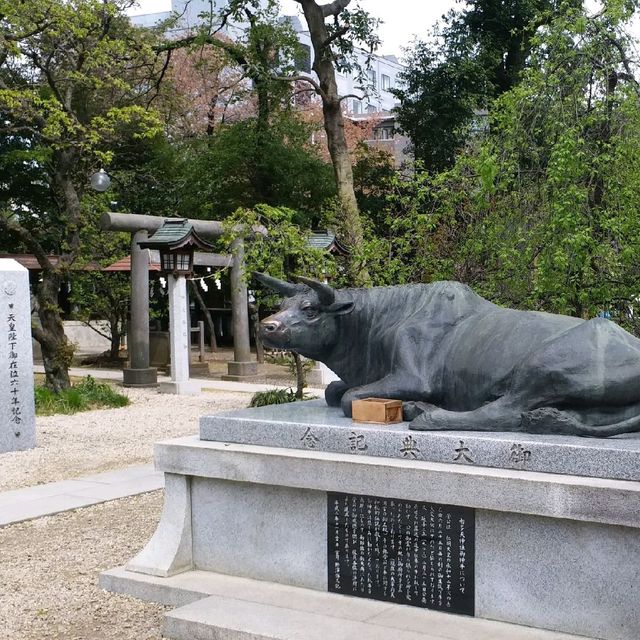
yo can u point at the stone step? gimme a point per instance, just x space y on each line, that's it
223 607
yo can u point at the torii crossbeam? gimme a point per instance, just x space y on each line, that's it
139 373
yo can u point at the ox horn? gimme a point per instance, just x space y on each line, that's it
285 288
326 294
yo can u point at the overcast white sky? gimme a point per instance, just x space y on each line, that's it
402 18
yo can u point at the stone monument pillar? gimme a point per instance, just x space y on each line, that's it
179 337
17 410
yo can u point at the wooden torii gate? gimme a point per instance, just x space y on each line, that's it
139 373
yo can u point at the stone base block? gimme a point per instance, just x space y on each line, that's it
555 552
214 606
240 371
314 425
187 388
140 377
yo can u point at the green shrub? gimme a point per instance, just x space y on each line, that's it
274 396
83 396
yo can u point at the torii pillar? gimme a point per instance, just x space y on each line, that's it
139 373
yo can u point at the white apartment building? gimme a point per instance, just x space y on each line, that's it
374 91
383 71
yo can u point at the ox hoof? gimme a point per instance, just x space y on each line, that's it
549 420
428 420
413 409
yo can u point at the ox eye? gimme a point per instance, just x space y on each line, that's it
309 311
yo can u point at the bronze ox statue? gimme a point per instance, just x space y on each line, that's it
461 362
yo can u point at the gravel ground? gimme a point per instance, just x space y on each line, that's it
96 441
49 574
49 567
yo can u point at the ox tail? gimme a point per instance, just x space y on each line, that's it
551 420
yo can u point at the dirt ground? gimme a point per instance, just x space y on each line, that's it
49 571
49 567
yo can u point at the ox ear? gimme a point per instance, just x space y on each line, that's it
340 308
285 288
326 295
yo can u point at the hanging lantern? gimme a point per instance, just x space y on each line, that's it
100 181
176 240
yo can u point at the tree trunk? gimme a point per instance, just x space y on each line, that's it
261 178
300 377
352 230
114 349
207 315
254 317
57 351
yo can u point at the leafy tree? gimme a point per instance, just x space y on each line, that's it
256 55
542 213
267 55
476 54
284 252
74 77
373 174
98 296
220 173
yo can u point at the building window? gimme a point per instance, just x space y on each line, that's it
356 107
371 108
303 60
372 78
383 133
386 82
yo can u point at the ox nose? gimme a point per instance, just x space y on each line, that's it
269 326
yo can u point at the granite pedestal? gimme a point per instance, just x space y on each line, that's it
555 549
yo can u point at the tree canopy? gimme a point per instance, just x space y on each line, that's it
542 211
75 77
473 55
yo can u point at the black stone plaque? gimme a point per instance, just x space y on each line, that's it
401 551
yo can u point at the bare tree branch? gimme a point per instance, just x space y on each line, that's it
307 79
235 52
335 7
351 95
9 225
338 33
160 78
100 333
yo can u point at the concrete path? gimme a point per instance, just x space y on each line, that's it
47 499
206 383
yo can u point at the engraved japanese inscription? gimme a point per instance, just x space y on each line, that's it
17 412
401 551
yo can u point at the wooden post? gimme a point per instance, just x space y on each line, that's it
201 340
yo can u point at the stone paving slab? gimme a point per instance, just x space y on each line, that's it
19 505
38 492
220 607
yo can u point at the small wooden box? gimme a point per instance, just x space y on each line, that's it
377 410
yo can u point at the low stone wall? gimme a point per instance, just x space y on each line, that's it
86 339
